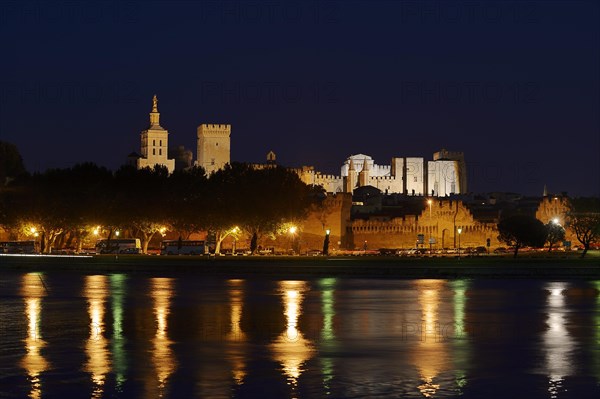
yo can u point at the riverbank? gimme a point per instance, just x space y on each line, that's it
548 266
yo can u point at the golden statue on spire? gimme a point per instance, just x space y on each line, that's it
154 104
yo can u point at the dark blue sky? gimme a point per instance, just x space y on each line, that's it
514 85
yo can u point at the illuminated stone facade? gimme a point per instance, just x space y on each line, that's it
443 176
440 223
213 146
155 143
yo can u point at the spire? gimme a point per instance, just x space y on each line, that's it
351 167
365 165
154 115
545 194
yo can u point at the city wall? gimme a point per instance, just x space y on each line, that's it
440 223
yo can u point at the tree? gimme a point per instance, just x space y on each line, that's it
260 201
11 163
555 233
254 243
38 207
583 218
142 194
186 201
518 231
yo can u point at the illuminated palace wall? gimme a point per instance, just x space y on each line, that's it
441 224
333 216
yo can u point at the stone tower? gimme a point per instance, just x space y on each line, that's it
363 176
155 143
459 157
351 178
213 146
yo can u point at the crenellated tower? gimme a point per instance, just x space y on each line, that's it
213 146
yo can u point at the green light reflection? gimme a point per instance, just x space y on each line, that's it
460 342
327 286
117 289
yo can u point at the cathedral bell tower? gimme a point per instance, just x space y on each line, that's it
155 143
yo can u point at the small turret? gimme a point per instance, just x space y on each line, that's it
351 178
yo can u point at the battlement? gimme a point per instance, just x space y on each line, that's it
385 178
326 177
214 129
445 154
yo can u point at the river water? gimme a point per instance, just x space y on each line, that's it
75 335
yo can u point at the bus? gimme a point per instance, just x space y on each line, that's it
19 247
183 247
119 246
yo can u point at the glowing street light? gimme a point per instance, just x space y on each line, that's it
430 202
292 230
459 230
326 242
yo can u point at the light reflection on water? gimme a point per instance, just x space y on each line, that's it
325 337
431 354
96 347
34 362
163 361
236 337
291 349
558 344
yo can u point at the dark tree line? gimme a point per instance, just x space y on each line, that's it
68 204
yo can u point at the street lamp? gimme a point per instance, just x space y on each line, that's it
429 201
292 230
459 231
326 243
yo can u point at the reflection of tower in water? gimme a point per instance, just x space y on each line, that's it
162 355
33 362
291 349
558 344
430 356
98 363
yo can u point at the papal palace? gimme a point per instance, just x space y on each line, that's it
399 205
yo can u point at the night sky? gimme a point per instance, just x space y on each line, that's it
514 85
